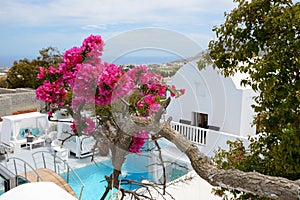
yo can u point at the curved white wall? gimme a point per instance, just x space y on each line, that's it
209 92
196 98
218 99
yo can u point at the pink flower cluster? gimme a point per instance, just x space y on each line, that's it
138 140
174 92
152 90
93 46
83 75
85 86
83 125
52 93
71 58
67 71
43 72
107 83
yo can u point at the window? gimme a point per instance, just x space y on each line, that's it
200 119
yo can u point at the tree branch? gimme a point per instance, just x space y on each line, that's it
251 182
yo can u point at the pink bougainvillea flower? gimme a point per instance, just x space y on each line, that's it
72 57
138 140
90 126
84 77
93 45
51 93
41 74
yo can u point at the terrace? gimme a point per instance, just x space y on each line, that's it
206 139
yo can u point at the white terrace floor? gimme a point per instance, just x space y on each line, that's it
197 188
26 154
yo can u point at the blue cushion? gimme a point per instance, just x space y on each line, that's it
35 131
22 133
12 137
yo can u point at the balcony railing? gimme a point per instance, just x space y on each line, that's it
192 133
207 140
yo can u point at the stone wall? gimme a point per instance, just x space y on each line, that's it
13 101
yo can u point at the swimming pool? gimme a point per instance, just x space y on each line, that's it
135 168
93 178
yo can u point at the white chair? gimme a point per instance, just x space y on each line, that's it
62 153
54 144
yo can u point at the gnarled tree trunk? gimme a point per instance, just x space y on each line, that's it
251 182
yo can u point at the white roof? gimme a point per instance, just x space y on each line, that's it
236 78
24 116
13 124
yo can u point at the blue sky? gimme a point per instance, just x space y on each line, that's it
30 25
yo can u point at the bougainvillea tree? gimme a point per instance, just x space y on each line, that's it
82 82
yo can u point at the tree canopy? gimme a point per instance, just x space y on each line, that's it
262 39
23 72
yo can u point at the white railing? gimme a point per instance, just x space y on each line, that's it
192 133
20 167
207 140
45 159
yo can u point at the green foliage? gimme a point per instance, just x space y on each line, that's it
165 72
204 60
3 83
23 72
261 38
104 112
135 97
237 157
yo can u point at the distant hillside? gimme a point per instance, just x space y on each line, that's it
186 60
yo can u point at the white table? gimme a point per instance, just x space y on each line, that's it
36 141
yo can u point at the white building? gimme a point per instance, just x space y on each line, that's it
212 101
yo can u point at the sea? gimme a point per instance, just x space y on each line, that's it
7 61
144 59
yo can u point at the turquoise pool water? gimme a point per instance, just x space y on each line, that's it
94 180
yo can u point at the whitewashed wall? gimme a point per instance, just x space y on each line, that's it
207 91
